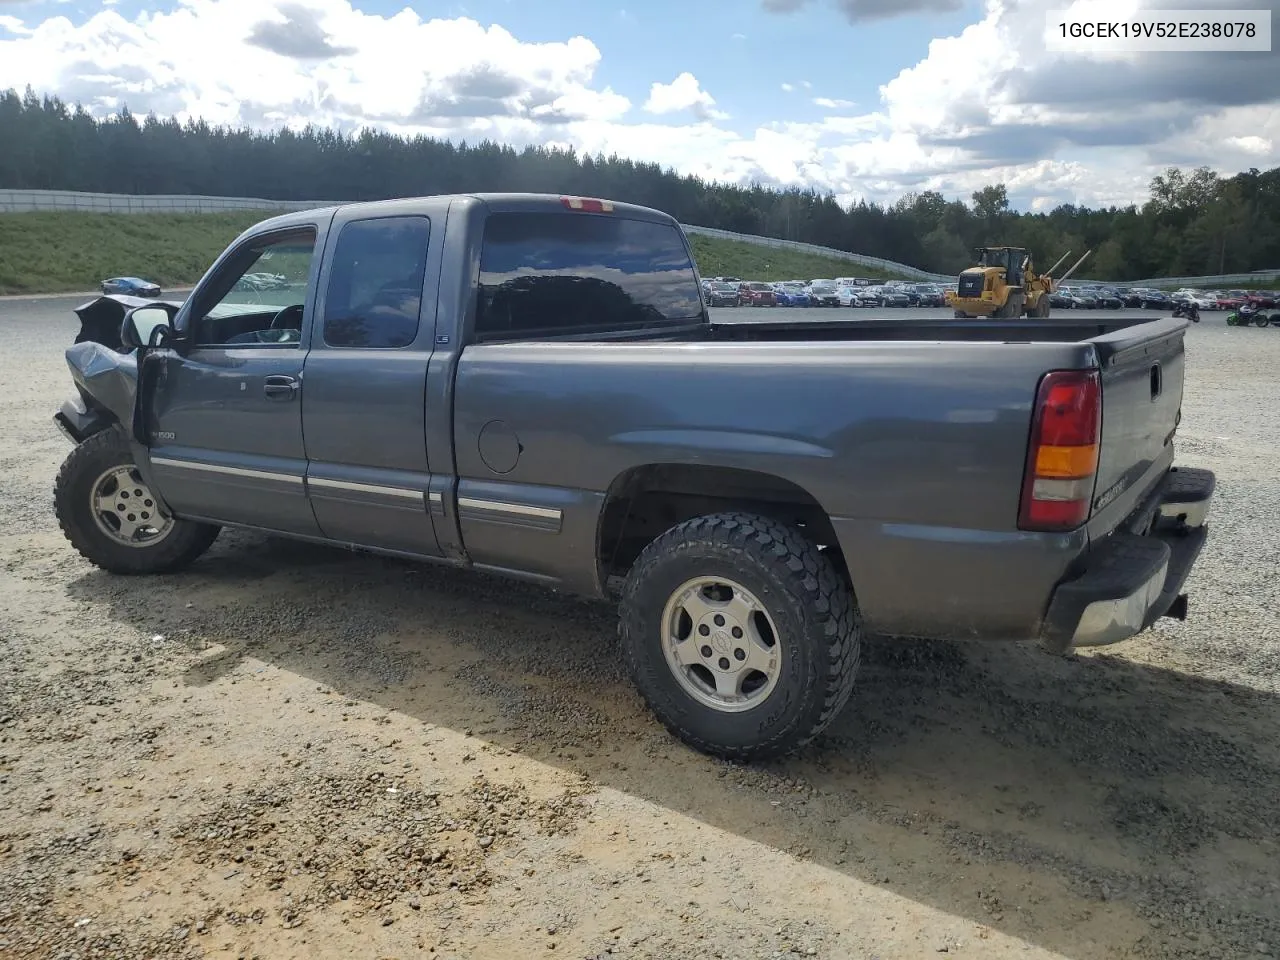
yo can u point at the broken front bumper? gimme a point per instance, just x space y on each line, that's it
1131 580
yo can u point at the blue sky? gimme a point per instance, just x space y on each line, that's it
863 98
737 49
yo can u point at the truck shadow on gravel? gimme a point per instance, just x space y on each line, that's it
1091 805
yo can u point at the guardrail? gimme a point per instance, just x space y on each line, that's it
20 201
17 201
1241 280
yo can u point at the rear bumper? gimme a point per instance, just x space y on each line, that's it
1131 580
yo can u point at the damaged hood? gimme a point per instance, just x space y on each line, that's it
105 375
100 318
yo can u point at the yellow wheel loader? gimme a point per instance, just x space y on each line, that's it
1004 284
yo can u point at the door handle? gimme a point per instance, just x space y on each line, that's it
280 387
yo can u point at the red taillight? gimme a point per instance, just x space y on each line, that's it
587 205
1062 461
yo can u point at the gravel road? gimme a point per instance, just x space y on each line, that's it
298 752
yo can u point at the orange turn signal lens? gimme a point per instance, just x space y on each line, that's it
1066 461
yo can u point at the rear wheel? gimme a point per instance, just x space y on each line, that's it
1261 320
740 635
112 518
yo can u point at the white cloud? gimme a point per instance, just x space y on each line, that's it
683 93
14 26
989 104
235 61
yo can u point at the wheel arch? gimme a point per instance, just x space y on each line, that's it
645 501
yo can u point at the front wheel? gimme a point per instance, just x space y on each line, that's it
110 515
740 635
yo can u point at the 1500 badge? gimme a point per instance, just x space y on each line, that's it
163 435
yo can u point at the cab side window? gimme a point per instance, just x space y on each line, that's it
374 297
259 296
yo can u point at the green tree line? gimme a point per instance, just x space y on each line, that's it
1195 222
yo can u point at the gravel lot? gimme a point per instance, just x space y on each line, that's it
297 752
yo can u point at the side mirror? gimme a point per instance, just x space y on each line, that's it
148 326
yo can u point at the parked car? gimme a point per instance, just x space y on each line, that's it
1265 299
1186 297
791 294
1108 299
823 293
1148 298
925 295
131 287
1083 299
756 294
851 296
722 294
885 296
580 421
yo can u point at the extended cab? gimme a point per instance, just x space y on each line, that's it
533 386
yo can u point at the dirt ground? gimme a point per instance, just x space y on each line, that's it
297 752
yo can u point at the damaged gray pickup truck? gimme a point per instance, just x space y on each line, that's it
533 386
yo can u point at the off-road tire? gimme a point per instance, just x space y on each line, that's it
72 497
1012 308
818 624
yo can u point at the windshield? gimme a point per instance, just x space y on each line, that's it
760 286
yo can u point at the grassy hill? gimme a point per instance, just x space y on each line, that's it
751 261
73 252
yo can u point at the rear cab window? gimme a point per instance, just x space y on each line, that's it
552 274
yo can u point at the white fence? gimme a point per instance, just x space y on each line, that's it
17 201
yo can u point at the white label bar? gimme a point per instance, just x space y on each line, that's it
1088 29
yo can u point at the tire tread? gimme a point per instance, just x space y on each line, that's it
811 578
187 542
